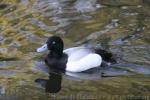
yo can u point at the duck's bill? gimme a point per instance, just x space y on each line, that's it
43 48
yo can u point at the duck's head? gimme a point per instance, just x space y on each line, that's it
53 44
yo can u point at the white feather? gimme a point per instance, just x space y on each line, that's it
77 53
87 62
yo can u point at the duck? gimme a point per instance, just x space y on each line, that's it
74 59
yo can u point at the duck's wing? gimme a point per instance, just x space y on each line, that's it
77 53
89 61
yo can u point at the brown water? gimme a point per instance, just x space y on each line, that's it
121 28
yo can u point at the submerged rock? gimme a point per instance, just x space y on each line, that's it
3 6
2 90
86 6
120 2
147 1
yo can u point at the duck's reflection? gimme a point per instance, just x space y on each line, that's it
53 84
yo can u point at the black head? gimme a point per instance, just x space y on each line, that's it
55 44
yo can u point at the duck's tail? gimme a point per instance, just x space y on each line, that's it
106 56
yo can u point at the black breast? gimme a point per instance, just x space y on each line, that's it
57 62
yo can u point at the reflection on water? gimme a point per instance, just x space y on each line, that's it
53 84
118 26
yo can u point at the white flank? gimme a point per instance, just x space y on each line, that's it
87 62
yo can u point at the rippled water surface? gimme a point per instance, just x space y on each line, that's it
119 26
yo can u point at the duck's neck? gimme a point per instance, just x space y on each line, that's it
55 54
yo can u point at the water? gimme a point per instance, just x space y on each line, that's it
121 28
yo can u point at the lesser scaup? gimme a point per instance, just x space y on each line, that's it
76 59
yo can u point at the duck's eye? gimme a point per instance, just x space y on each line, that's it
53 42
